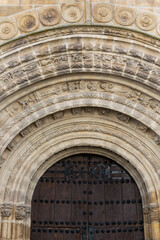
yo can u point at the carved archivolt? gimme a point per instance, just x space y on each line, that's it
56 58
110 94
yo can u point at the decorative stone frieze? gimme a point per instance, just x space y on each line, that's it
71 13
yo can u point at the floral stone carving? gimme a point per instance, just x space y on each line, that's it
49 16
27 23
72 13
146 21
125 16
103 12
7 30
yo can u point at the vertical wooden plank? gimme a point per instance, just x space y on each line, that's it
35 206
128 195
96 198
62 202
79 196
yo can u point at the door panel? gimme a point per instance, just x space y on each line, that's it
86 197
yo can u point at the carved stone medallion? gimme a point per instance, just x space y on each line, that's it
125 16
103 12
49 16
72 13
146 21
7 30
27 23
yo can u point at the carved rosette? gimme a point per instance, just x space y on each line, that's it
6 210
27 23
146 21
7 30
103 13
72 13
125 16
49 16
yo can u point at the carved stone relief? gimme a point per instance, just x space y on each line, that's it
125 16
120 94
72 13
81 128
156 138
146 21
123 117
25 132
142 127
54 64
7 30
103 12
6 210
21 212
77 111
58 115
49 16
40 122
153 212
27 23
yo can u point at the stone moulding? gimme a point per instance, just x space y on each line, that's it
74 13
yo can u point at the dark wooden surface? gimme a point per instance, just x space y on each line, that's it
86 197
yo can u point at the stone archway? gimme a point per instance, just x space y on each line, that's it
86 196
63 93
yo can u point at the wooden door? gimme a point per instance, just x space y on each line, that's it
86 197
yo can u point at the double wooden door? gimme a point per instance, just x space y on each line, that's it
86 197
